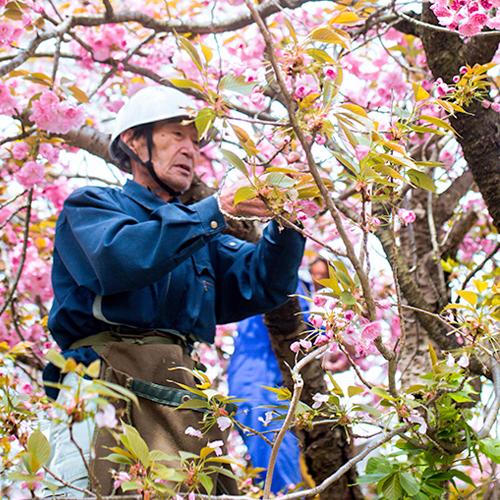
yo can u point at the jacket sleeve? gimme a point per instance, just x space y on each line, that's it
108 251
255 278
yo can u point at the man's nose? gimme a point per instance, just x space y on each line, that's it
189 147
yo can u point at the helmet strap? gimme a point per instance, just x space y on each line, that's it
149 163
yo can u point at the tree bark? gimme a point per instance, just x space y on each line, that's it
478 132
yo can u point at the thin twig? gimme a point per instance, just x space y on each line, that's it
290 416
492 415
69 485
90 473
23 253
480 266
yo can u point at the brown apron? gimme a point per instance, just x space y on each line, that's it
162 427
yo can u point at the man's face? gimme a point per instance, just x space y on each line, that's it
319 271
175 153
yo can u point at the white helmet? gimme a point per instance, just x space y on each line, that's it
148 105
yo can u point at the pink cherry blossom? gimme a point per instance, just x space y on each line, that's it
349 315
371 331
316 320
319 399
106 417
224 423
120 478
217 446
361 151
54 116
319 301
330 72
7 101
49 152
191 431
30 174
406 216
20 150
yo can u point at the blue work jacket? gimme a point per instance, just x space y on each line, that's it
124 256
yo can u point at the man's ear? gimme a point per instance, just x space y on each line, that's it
128 138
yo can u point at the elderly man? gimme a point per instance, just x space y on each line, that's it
138 276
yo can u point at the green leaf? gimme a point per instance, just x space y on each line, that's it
79 94
206 451
93 369
234 160
336 387
193 404
283 393
327 34
118 459
244 193
158 455
438 122
111 389
353 390
56 358
491 448
137 445
204 121
320 56
130 485
347 298
280 180
378 465
186 455
39 448
470 297
207 483
409 483
331 283
391 488
421 180
420 93
378 391
184 83
236 84
426 130
434 357
463 477
191 50
460 397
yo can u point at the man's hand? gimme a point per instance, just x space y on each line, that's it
248 208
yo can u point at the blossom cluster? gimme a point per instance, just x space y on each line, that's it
469 17
56 116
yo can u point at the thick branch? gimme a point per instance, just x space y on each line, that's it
265 9
456 236
446 202
25 54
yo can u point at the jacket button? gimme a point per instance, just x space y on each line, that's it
214 224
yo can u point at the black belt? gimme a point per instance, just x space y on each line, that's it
169 396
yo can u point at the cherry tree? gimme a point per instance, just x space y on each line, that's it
370 127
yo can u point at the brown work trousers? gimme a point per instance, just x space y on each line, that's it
162 427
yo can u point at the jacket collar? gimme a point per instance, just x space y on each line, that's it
142 195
